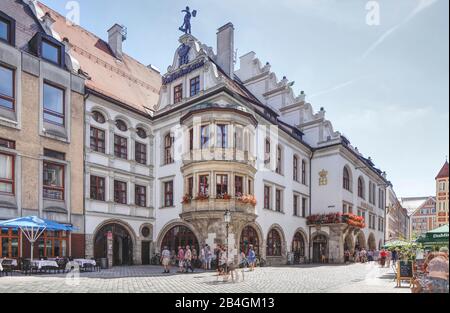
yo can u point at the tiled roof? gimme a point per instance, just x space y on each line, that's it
126 81
443 173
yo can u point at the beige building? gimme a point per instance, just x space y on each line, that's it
397 219
41 133
442 196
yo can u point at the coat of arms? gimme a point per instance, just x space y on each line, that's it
323 178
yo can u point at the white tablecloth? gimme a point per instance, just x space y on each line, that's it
40 263
82 262
14 262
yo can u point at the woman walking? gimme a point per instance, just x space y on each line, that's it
165 260
180 260
251 258
188 259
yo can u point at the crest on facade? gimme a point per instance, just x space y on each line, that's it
323 178
183 54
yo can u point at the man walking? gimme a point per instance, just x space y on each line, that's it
165 260
188 259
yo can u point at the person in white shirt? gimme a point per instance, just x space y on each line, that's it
165 259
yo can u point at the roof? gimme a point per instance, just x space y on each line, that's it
127 80
443 173
413 203
442 229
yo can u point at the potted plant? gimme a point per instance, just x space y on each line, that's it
186 199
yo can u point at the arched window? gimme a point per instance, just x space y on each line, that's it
295 165
267 152
361 188
168 151
98 117
121 125
346 179
141 133
303 172
298 245
274 243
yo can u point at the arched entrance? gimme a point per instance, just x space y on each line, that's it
274 243
249 236
371 242
298 247
348 243
320 248
179 236
360 241
122 244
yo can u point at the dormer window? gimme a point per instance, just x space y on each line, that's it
48 48
7 29
51 52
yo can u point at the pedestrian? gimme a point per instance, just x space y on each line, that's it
209 255
383 257
394 256
194 257
388 258
180 260
251 258
203 257
370 256
347 256
165 259
242 260
188 259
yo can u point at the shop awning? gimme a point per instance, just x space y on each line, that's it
436 236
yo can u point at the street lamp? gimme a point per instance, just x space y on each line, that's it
227 218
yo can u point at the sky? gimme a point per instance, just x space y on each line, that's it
379 68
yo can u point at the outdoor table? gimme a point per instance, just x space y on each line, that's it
14 262
82 262
40 263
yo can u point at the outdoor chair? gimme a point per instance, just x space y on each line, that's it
27 268
98 265
7 267
87 267
62 263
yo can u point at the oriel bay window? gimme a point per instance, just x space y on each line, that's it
221 135
120 147
7 88
140 153
221 186
53 104
53 181
97 191
120 192
6 173
190 184
53 244
9 243
204 136
238 186
98 140
168 194
140 195
203 187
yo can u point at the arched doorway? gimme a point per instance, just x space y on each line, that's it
348 243
320 248
371 242
274 243
298 248
179 236
360 241
249 236
122 244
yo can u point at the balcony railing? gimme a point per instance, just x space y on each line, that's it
219 154
212 204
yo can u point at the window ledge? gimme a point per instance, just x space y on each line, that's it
167 207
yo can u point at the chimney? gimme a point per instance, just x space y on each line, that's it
225 48
116 36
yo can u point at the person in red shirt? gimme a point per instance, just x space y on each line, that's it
383 256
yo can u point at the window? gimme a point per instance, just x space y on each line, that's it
140 154
195 86
53 104
203 185
53 181
7 86
178 93
120 192
191 139
238 186
140 195
304 206
168 149
9 144
53 244
267 197
238 138
98 140
221 185
279 160
120 147
274 243
121 125
295 167
346 179
141 133
372 192
361 188
6 173
98 117
51 52
97 188
168 194
9 243
7 29
190 191
222 132
296 213
267 152
204 136
250 187
278 196
303 172
54 154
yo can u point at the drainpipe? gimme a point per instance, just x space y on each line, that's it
86 96
310 203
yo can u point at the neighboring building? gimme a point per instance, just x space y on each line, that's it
422 213
119 179
397 218
442 203
41 132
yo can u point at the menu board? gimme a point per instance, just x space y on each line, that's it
406 269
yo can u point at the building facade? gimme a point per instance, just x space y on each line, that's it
442 202
41 131
397 218
422 212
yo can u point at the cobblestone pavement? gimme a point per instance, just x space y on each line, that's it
354 278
